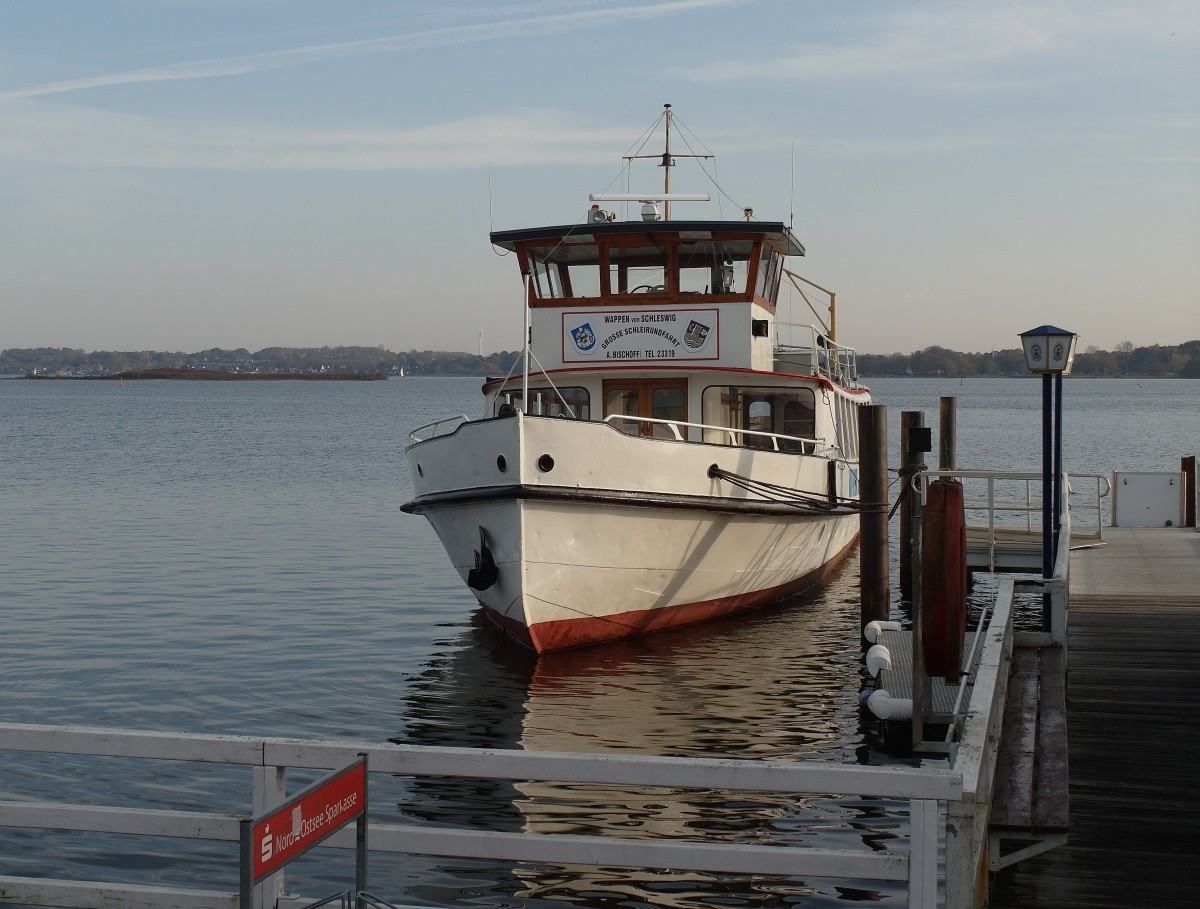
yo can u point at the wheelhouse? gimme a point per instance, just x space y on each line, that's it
615 264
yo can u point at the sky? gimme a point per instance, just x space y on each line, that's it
188 174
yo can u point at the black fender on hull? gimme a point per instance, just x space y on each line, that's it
486 572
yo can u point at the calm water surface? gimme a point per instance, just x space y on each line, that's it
230 558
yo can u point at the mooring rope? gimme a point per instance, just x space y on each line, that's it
805 502
903 475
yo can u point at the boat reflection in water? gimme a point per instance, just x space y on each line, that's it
782 684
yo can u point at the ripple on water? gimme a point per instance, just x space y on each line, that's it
233 560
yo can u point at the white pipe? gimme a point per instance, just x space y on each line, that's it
649 197
878 658
886 707
874 627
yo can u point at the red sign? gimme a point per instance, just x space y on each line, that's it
308 818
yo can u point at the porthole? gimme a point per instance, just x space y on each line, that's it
501 463
545 463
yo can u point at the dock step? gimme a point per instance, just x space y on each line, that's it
1030 797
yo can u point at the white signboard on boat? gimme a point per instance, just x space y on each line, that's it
640 335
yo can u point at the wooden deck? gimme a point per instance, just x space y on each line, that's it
1133 703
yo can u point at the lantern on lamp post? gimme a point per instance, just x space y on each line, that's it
1050 352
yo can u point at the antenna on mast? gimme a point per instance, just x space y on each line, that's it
792 191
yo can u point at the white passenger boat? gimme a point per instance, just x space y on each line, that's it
671 451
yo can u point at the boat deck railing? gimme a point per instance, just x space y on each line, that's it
271 758
769 440
808 350
434 429
748 438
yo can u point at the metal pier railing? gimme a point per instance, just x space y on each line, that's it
271 758
1004 509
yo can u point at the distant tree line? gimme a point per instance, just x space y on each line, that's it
1178 361
269 360
1181 361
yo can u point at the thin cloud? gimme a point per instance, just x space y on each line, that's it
522 25
963 37
66 136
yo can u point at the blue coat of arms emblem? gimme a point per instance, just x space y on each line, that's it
584 337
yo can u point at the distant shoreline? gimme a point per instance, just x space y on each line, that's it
213 375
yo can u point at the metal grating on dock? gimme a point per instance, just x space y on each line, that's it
898 680
1133 695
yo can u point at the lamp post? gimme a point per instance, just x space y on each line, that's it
1050 352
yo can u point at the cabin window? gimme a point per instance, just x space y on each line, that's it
623 401
565 271
774 411
572 402
710 267
644 400
637 269
595 269
734 276
769 268
668 403
546 280
848 426
702 270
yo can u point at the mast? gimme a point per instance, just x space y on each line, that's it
668 161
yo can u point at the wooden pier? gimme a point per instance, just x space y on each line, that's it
1133 698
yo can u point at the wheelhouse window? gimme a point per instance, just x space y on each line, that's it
709 267
572 402
770 266
596 269
566 270
775 412
637 269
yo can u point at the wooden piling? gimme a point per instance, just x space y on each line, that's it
1187 466
912 459
873 519
947 433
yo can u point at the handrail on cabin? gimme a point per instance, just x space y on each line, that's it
807 446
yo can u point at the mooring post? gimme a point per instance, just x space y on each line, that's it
922 688
1187 465
873 518
913 446
947 433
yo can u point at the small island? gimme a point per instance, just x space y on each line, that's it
216 375
371 363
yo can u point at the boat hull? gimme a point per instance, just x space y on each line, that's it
592 557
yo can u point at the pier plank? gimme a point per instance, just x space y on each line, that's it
1133 692
1052 805
1012 804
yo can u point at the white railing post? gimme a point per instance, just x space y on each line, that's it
923 854
270 788
992 523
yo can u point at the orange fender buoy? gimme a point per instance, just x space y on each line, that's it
944 580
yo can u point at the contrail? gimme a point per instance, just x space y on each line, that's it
438 37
